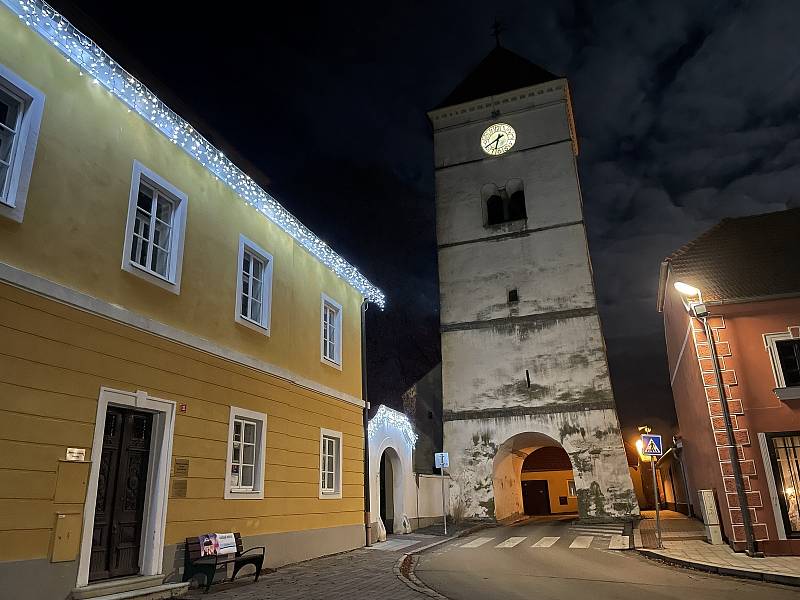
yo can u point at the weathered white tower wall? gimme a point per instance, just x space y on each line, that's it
552 331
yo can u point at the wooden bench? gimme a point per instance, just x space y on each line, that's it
195 563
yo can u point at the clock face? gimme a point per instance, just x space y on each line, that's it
498 138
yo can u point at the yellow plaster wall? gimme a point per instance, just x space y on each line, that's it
74 225
53 361
556 486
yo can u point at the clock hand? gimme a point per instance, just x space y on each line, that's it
495 141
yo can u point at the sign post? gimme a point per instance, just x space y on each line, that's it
442 462
651 446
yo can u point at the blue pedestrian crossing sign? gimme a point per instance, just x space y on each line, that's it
651 445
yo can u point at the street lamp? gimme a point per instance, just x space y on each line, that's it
693 301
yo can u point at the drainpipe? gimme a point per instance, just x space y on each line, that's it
736 467
367 517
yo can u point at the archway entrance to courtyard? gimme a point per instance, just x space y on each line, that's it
390 479
532 475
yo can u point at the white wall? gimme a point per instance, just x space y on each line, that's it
387 437
430 494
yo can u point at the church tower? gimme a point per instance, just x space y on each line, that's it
524 368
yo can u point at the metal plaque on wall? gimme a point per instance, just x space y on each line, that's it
179 488
181 467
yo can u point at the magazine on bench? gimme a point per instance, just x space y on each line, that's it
217 543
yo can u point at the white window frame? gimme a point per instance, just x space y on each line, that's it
336 492
180 201
772 349
571 493
26 136
336 362
260 419
246 245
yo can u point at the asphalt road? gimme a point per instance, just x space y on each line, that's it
554 570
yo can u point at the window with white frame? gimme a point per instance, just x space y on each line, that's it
254 286
155 230
244 476
331 337
330 464
784 352
21 108
571 488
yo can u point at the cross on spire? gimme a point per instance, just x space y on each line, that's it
497 29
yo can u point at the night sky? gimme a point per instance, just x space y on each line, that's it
687 112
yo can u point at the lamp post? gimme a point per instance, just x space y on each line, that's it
693 301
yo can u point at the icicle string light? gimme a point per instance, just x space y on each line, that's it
392 419
103 70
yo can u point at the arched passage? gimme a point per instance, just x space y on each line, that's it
390 488
531 474
391 441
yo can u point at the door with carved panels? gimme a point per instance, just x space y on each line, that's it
121 493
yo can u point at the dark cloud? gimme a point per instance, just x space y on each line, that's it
687 112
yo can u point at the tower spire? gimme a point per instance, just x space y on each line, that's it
497 29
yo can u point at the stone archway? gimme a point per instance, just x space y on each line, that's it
486 459
507 475
391 440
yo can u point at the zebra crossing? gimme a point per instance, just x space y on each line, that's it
606 540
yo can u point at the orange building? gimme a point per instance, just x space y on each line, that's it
747 272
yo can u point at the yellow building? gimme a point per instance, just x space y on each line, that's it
180 355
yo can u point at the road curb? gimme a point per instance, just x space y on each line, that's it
789 580
414 582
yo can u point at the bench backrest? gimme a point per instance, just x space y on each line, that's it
193 550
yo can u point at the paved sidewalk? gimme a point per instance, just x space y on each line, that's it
362 574
674 526
358 575
721 559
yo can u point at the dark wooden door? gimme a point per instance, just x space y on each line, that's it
387 489
121 488
535 497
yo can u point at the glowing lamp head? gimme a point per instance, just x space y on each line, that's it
684 289
639 449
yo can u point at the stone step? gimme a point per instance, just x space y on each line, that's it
156 592
145 587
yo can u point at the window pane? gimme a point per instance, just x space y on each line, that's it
141 224
164 210
9 109
247 476
237 453
787 354
244 305
234 475
139 244
6 142
258 268
3 178
257 289
255 311
160 261
161 235
329 481
250 433
246 263
145 199
249 454
787 455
